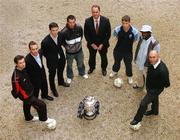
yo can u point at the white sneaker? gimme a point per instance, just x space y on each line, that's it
130 80
85 76
69 80
112 74
50 123
136 127
35 118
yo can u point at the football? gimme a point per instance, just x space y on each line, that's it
52 125
118 82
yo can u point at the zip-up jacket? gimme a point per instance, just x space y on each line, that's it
21 85
71 39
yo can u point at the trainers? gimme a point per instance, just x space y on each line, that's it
34 119
50 123
130 80
112 74
135 125
85 76
69 80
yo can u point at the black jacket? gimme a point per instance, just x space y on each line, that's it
35 72
104 32
157 78
21 85
50 51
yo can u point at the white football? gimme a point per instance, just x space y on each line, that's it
118 82
136 127
52 125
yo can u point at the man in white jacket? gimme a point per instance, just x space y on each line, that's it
146 43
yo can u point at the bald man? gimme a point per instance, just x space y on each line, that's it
157 79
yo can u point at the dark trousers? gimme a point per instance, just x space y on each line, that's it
43 86
126 57
59 69
92 58
152 96
39 105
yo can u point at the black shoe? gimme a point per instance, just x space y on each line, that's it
134 122
90 71
104 72
64 84
48 98
55 93
148 113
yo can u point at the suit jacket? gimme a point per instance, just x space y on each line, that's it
104 32
35 72
50 50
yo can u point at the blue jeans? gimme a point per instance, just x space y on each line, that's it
79 57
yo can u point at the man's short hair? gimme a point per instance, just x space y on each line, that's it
31 43
17 58
53 25
71 17
96 6
126 18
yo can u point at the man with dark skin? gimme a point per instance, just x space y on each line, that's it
146 43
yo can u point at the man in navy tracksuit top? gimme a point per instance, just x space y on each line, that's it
126 35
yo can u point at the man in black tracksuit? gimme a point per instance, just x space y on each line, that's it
157 79
23 89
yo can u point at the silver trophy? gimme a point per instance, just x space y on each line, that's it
88 108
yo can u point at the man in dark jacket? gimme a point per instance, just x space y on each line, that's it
23 89
157 79
55 59
36 71
97 31
72 35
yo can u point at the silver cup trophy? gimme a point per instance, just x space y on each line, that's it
88 108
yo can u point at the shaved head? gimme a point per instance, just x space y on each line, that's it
153 57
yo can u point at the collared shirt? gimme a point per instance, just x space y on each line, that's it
38 60
156 65
134 31
95 21
55 39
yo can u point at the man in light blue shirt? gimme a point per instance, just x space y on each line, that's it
146 43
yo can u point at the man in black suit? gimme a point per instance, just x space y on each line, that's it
55 59
97 31
157 79
36 71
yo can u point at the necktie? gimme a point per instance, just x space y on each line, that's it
97 27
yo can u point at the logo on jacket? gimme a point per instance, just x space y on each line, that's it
130 36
